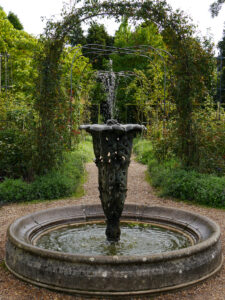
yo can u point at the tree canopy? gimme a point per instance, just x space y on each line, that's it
215 7
14 20
97 34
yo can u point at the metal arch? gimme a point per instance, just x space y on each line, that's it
71 88
107 50
97 51
127 50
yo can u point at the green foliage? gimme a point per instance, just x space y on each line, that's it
62 182
144 34
144 90
58 111
179 183
58 183
20 115
215 7
220 97
210 135
143 150
17 138
192 69
16 151
14 20
20 46
190 185
209 138
17 117
194 78
13 190
76 36
97 34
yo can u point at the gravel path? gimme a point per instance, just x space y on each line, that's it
139 191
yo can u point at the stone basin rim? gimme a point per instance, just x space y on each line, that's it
114 127
185 252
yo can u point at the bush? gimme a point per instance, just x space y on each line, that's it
14 190
16 151
183 184
190 185
211 140
58 183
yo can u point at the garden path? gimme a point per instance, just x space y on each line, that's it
139 191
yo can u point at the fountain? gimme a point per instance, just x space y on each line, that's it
112 146
55 249
113 271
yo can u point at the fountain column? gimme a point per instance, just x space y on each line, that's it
112 147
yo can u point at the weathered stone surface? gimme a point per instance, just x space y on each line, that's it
113 275
112 147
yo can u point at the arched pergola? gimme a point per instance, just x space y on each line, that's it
188 69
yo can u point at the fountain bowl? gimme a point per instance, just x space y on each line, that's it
109 276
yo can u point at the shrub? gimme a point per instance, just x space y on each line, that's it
16 151
183 184
211 140
58 183
190 185
13 190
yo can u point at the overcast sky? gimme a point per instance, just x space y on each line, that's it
31 11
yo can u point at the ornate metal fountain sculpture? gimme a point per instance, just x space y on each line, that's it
112 147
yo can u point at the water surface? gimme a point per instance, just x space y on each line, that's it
136 239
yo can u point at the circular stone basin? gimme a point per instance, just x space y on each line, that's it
116 274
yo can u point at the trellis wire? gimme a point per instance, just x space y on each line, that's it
99 49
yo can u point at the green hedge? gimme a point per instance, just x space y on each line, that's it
179 183
58 183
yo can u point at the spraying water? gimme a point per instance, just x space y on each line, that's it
109 81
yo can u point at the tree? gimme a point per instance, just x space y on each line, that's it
14 20
17 116
144 90
215 7
20 46
76 36
97 34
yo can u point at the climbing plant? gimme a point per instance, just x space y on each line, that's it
190 63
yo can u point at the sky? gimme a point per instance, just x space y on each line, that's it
30 13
